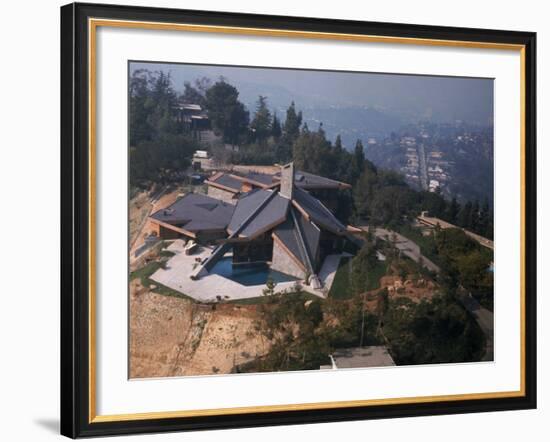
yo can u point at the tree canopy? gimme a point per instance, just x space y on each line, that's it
227 114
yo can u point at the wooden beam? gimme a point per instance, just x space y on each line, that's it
174 228
222 187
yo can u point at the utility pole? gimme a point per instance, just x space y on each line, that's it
363 314
362 322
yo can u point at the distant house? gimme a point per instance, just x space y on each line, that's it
193 118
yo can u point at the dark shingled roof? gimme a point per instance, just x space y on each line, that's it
272 214
263 178
270 208
306 180
196 212
228 181
318 212
310 233
247 204
303 180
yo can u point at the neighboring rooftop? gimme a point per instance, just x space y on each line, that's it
196 212
226 181
361 357
310 181
303 180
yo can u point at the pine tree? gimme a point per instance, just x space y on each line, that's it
311 153
276 130
484 218
465 215
321 131
261 123
338 145
357 161
291 128
474 223
452 211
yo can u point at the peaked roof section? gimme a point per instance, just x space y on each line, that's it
268 208
300 237
315 211
196 212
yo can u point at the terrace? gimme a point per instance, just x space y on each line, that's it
222 286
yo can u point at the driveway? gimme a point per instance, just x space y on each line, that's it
405 245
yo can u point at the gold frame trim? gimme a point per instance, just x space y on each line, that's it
93 24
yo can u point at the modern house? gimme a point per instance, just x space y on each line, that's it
277 223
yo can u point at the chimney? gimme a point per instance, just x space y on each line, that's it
287 180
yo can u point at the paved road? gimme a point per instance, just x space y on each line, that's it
407 247
423 167
485 320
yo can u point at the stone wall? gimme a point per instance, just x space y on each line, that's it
282 262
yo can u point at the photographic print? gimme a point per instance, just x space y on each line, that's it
256 206
286 220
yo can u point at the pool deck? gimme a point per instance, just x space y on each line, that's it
215 288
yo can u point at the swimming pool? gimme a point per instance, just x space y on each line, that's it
252 274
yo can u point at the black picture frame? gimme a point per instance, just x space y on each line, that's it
75 219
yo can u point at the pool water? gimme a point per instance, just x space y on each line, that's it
252 274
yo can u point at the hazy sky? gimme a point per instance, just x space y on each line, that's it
409 96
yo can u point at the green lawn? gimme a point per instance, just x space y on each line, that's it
341 287
145 272
144 275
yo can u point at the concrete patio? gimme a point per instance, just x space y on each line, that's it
214 288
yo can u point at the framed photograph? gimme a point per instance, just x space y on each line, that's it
279 220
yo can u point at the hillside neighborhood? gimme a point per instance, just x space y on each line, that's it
257 244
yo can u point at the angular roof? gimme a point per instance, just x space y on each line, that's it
317 212
300 237
258 211
195 212
226 180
